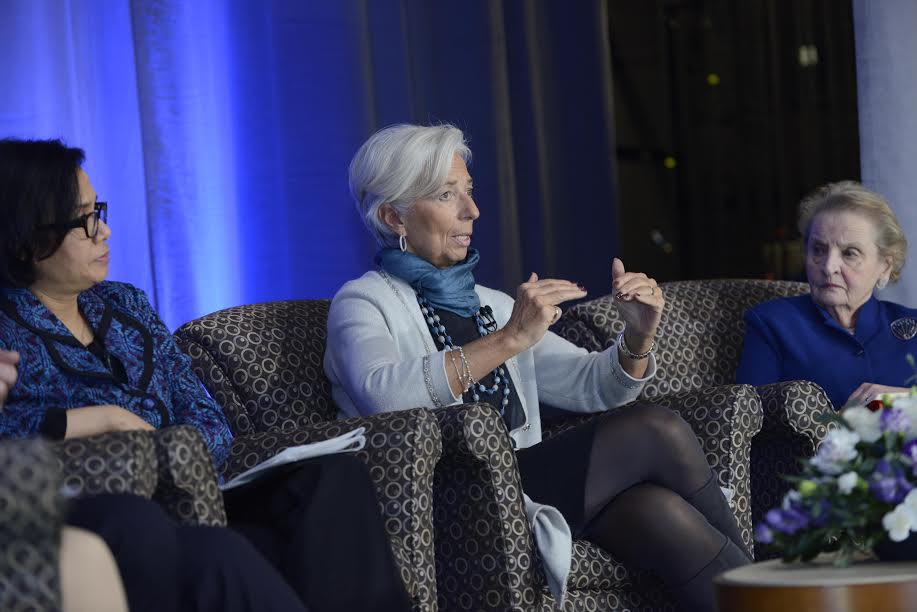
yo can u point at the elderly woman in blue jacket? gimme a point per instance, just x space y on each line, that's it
840 336
418 331
95 358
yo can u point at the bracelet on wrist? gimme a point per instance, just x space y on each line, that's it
622 346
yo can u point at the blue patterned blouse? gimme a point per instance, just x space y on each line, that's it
56 372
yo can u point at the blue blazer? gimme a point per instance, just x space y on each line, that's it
795 339
56 372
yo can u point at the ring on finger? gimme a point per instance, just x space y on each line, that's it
557 314
652 291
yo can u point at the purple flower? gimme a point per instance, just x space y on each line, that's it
787 520
909 450
888 483
763 534
894 420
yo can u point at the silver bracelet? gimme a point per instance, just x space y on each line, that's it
622 346
428 379
469 381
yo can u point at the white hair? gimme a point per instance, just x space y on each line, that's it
399 165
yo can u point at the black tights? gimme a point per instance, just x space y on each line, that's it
651 498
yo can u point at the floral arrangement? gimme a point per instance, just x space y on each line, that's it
858 491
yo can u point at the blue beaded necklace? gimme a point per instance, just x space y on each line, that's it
443 337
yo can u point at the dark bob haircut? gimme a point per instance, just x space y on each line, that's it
38 186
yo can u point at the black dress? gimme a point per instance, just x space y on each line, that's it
554 471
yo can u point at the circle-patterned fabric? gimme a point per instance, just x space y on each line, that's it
31 514
187 487
699 341
263 363
118 462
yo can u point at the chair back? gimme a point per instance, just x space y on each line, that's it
263 363
699 342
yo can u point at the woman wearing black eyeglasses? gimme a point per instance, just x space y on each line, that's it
56 312
95 358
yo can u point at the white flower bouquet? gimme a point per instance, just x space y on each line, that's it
858 492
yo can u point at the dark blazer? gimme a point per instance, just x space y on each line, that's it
57 373
794 339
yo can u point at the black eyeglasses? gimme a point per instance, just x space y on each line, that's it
89 222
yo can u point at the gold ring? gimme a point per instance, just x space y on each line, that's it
557 314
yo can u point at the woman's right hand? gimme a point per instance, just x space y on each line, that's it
92 420
536 309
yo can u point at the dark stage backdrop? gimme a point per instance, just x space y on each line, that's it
220 131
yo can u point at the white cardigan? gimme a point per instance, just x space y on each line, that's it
380 357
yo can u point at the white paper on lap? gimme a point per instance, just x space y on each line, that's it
349 442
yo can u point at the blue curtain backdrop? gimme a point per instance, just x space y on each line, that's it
220 131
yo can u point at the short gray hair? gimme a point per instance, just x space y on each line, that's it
399 165
854 197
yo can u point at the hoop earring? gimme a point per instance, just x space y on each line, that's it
402 243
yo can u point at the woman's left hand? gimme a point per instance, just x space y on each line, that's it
867 392
640 303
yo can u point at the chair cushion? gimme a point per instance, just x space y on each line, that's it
263 363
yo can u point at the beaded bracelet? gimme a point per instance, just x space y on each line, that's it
622 346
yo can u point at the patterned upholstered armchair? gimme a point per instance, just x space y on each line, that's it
725 418
31 516
171 466
749 436
263 364
700 344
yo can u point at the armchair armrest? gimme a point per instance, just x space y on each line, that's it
794 407
402 450
791 431
188 486
171 465
31 515
489 563
117 462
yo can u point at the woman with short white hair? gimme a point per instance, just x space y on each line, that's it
840 335
418 331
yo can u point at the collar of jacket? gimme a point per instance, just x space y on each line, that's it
68 353
867 323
